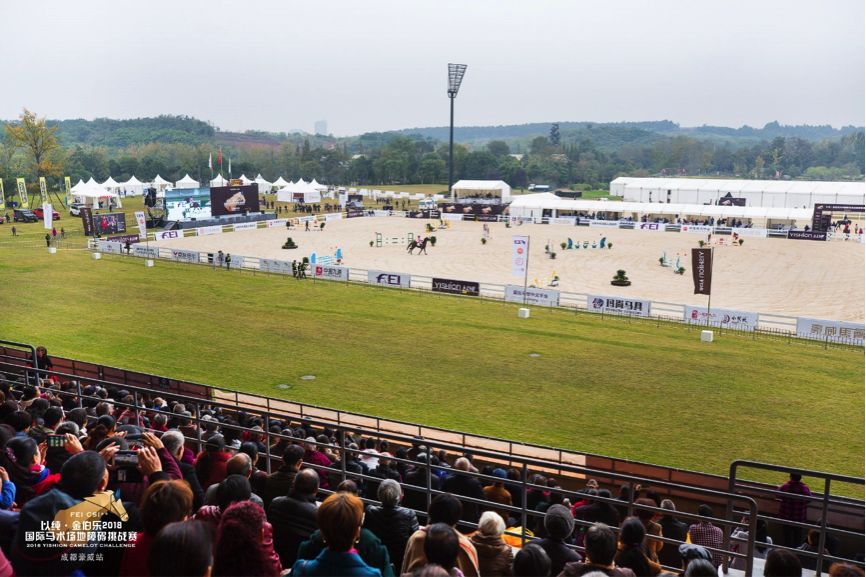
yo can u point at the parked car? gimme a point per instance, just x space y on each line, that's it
24 215
75 208
41 214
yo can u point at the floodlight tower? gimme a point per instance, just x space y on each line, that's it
455 77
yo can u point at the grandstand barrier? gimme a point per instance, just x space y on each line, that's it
817 331
740 498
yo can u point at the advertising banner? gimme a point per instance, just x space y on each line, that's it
43 189
456 287
275 266
618 305
354 213
333 216
725 318
209 230
604 223
22 193
651 226
234 199
702 270
87 220
124 238
823 329
395 279
445 216
330 272
109 246
277 222
519 255
806 235
534 296
47 214
697 228
184 255
236 261
759 232
142 224
564 220
109 223
167 234
144 251
306 219
244 226
67 188
2 196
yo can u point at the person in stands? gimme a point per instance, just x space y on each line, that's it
210 465
706 534
182 549
279 483
631 552
794 509
294 516
445 508
600 544
392 523
559 526
244 545
531 561
672 528
339 518
494 555
782 563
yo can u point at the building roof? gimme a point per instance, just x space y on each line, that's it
736 185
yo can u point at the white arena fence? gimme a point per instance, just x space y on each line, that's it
696 316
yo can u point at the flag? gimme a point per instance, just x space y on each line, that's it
702 270
67 185
2 196
230 166
210 161
519 255
22 192
43 189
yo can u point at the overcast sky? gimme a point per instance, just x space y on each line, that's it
374 65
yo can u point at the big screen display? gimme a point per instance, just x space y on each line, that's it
234 199
109 223
188 203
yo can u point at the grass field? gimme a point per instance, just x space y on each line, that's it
634 390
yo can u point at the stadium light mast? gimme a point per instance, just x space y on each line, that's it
455 78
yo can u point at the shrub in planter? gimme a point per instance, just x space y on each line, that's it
740 241
552 255
620 279
289 243
371 243
610 245
432 241
483 240
701 243
562 245
681 270
662 260
305 260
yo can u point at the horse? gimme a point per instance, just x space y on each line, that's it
421 246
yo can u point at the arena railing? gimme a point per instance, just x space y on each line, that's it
525 464
773 324
609 476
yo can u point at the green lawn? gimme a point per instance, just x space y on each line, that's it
634 390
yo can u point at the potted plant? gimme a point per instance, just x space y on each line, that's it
483 240
662 260
609 245
740 242
552 254
701 243
371 243
432 241
681 270
620 279
562 245
289 243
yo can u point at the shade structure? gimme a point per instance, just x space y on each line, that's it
299 193
264 185
494 189
280 182
219 181
132 187
186 182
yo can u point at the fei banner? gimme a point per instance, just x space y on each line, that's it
22 193
142 225
532 296
395 279
618 305
652 226
725 318
519 255
702 270
167 234
821 329
47 214
43 189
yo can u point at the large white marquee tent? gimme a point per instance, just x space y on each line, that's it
91 193
289 192
186 182
481 188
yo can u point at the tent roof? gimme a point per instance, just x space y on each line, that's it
480 184
298 187
110 183
261 180
735 186
548 200
219 180
187 179
280 182
245 180
160 180
133 182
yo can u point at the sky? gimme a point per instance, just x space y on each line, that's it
376 65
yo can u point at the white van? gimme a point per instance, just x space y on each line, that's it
427 204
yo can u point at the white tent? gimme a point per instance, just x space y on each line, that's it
186 182
264 185
91 193
78 186
280 182
296 192
492 189
111 183
317 186
159 183
133 187
219 181
244 180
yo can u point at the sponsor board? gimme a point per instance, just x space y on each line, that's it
354 213
759 232
184 255
519 255
109 223
702 270
564 220
244 226
144 251
209 230
333 216
330 272
697 228
87 220
275 266
167 234
131 238
277 222
396 279
618 305
142 222
109 246
604 223
725 318
47 210
651 226
821 329
533 296
306 219
456 287
806 235
235 261
449 216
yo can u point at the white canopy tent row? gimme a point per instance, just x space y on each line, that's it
133 187
300 191
264 185
280 182
111 184
186 182
547 204
93 194
160 184
496 190
317 186
244 180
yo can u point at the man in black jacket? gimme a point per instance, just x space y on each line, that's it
279 483
417 499
173 441
294 517
390 522
672 529
599 511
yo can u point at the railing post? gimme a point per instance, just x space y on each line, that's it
523 516
268 439
429 479
78 387
198 426
344 454
825 502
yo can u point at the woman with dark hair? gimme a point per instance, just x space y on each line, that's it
651 547
233 489
243 543
182 549
23 463
164 502
441 547
782 563
531 561
339 519
631 554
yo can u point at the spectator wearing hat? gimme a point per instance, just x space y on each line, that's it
294 516
494 555
600 546
706 534
559 525
445 508
210 464
497 493
318 460
392 523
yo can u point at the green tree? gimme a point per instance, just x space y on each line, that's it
498 148
38 140
554 134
